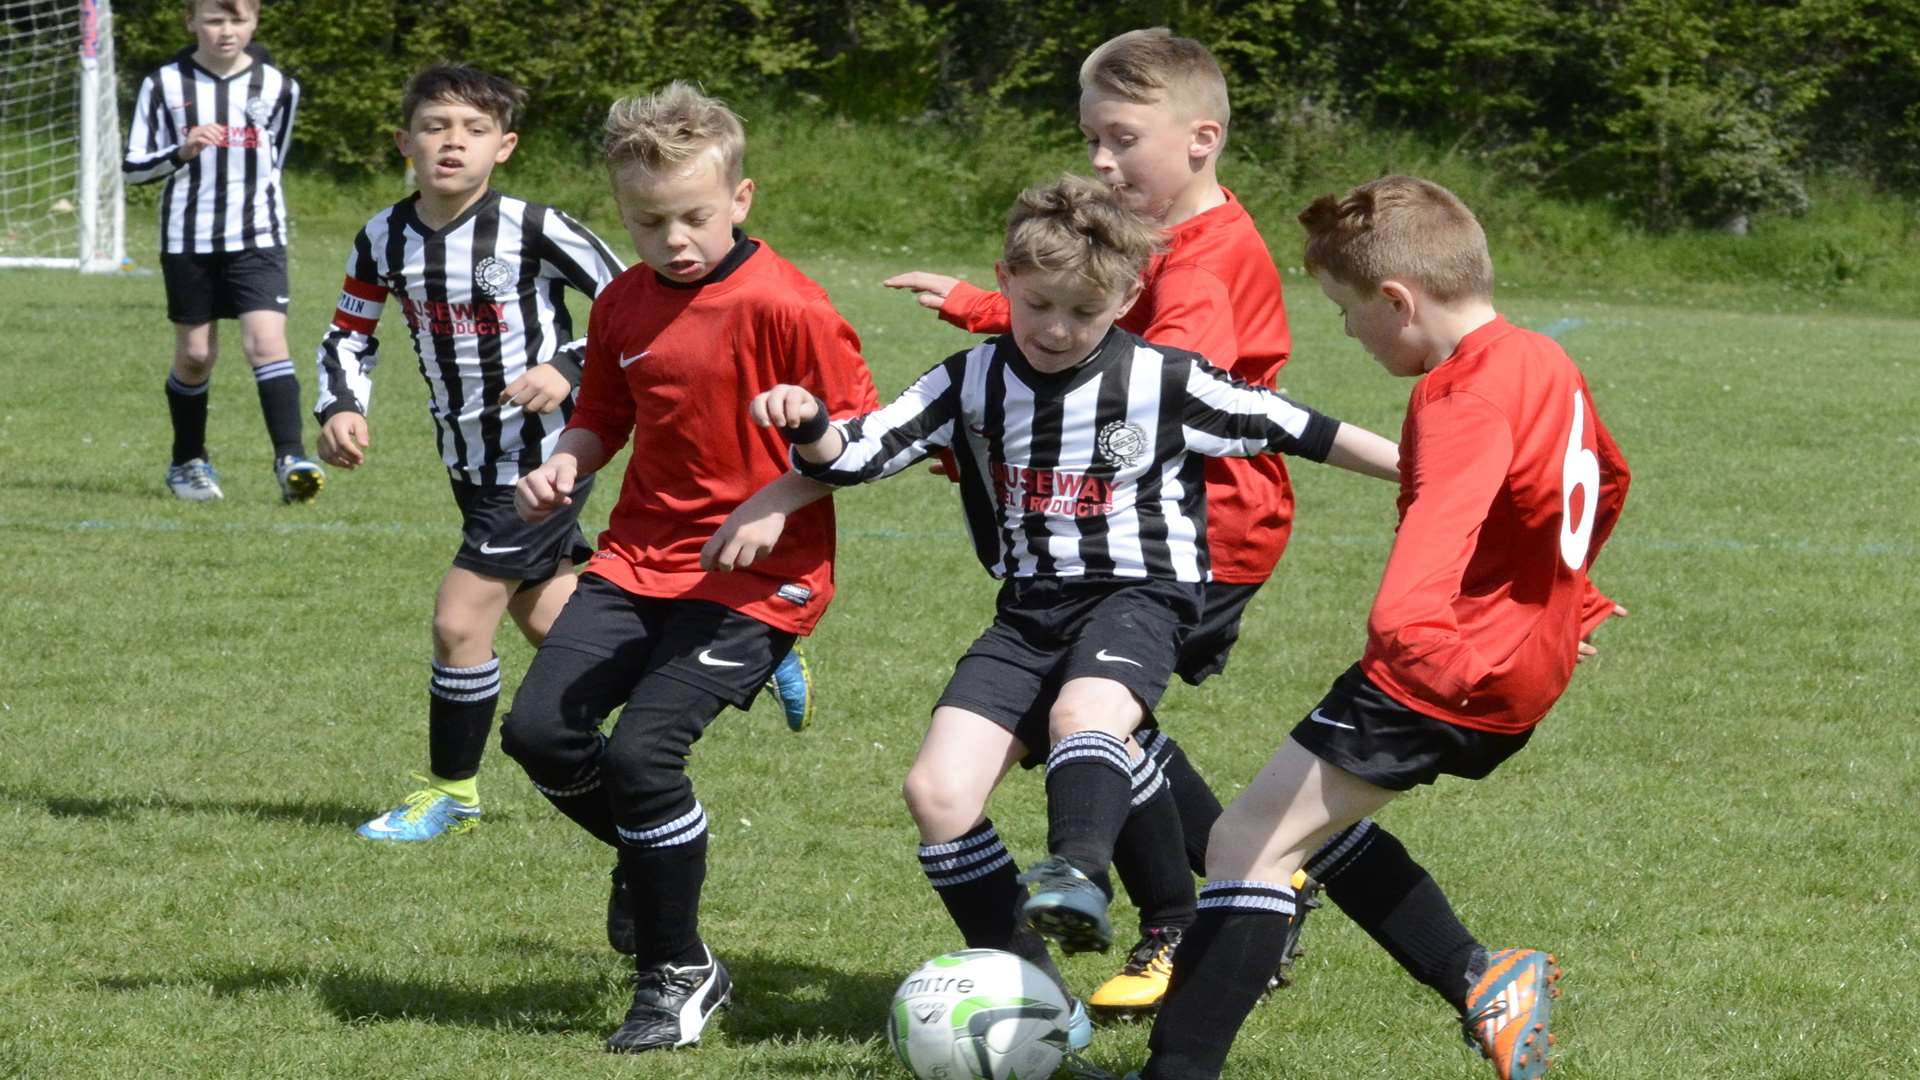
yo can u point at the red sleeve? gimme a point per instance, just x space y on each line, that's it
1192 311
1462 449
975 310
826 360
605 404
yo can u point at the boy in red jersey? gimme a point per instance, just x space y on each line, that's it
1509 486
711 319
1155 111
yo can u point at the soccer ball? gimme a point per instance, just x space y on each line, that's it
979 1014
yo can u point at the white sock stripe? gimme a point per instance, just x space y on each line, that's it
1327 863
183 389
1149 740
279 369
1246 887
991 836
441 682
1142 795
973 874
971 858
469 698
567 793
1247 902
1146 772
1090 745
645 837
445 669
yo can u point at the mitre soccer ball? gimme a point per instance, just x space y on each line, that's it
982 1014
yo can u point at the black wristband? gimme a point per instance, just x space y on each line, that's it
812 430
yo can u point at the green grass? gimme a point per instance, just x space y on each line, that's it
197 704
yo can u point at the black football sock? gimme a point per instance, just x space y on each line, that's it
1199 809
666 867
975 877
1219 973
582 798
1370 876
187 405
280 404
460 704
1148 855
1089 786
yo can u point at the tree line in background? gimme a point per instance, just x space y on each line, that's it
1685 112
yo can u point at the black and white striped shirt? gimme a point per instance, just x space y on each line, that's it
227 197
482 300
1093 472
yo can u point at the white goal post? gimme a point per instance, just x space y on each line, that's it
61 200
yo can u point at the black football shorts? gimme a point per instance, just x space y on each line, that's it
1358 728
495 542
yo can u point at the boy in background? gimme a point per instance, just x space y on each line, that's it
215 121
1155 113
1079 452
1509 487
674 347
478 276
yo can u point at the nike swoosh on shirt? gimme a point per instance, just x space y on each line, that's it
706 657
626 360
1112 659
487 548
1319 717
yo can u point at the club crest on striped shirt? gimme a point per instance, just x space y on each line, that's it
491 276
1121 442
258 111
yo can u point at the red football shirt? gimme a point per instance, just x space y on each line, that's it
1215 292
1509 484
673 369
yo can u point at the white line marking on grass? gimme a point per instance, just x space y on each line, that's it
1703 545
1558 327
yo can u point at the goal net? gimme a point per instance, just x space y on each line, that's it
60 193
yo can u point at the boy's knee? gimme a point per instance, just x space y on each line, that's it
193 365
456 633
1071 719
936 801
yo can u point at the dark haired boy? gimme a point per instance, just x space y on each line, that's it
478 277
215 121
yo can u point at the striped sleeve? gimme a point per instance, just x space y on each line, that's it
280 123
152 145
918 422
1225 417
349 351
570 252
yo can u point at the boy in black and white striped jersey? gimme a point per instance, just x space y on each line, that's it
1080 448
478 276
215 122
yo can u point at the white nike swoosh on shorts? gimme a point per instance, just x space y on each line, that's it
706 657
626 360
1319 717
487 548
1112 659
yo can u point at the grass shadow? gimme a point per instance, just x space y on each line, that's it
125 807
777 999
540 1005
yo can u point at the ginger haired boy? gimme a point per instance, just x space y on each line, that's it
1509 486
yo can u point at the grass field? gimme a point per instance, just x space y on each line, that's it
197 703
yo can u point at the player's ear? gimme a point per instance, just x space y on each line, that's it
1402 298
742 200
1203 138
1001 278
403 142
1134 289
507 142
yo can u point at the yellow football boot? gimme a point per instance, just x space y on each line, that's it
1142 982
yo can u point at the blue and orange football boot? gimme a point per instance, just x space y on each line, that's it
1507 1012
792 686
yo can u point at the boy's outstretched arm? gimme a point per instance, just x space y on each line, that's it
755 526
550 487
1358 450
969 307
802 419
